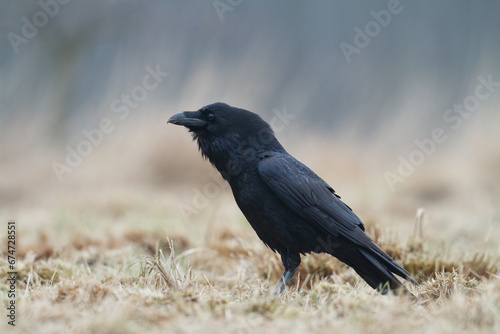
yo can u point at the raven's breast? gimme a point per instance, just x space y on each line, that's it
275 223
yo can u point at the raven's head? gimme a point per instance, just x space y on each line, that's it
229 137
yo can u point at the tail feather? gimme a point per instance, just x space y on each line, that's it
388 262
375 272
376 268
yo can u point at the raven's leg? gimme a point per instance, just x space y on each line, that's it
291 262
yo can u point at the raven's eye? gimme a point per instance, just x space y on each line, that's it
210 117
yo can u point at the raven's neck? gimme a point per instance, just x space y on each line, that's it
233 156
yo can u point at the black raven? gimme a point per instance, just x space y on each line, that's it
291 208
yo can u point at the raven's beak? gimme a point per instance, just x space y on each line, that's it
189 119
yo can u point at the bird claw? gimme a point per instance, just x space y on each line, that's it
279 287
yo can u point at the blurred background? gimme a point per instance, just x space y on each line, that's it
87 88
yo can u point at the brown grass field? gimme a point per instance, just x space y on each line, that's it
108 250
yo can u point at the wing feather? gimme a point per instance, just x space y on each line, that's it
309 196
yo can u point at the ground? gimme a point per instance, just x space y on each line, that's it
153 242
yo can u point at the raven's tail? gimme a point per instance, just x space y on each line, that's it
378 269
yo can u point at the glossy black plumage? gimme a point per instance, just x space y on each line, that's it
292 210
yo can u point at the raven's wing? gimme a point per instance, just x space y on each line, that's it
309 196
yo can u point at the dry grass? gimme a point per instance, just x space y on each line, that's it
122 288
108 252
